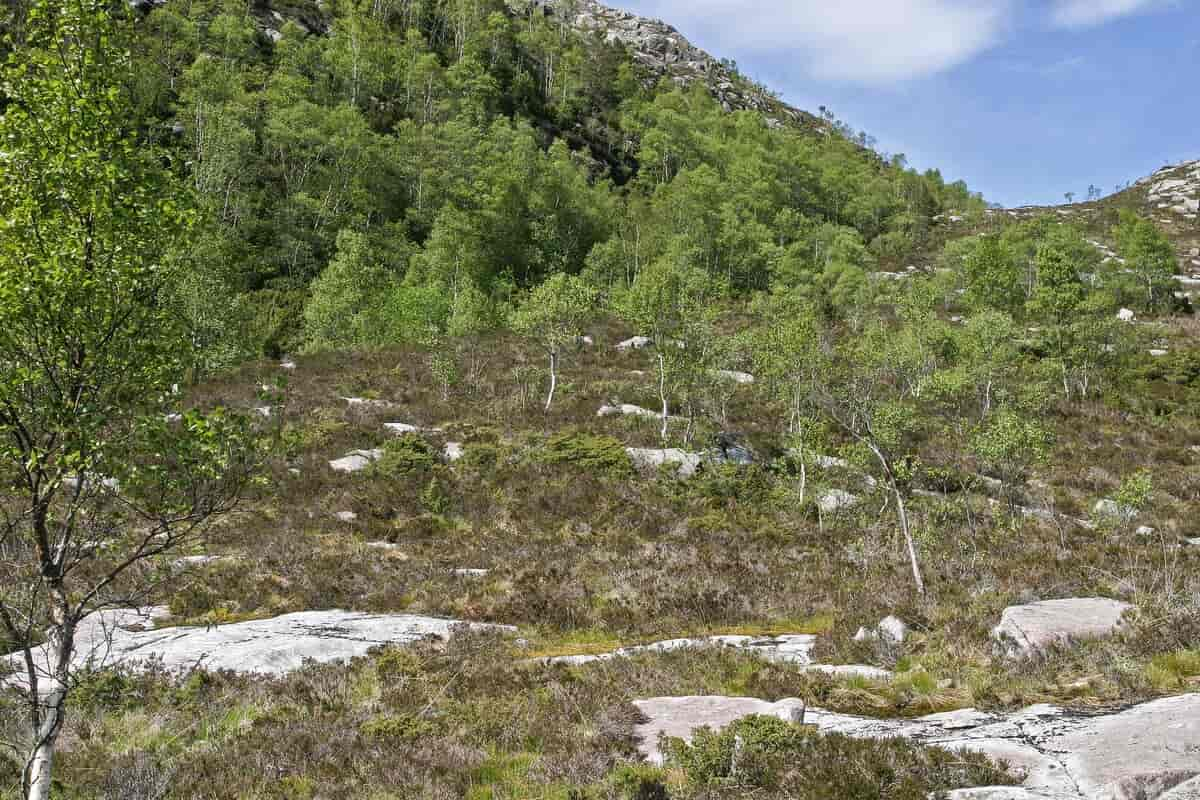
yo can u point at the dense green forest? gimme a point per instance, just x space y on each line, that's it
423 157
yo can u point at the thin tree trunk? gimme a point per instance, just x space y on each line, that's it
662 393
908 541
48 709
553 380
40 764
902 513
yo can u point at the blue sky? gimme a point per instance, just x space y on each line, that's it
1023 99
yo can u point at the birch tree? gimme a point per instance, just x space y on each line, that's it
554 314
96 481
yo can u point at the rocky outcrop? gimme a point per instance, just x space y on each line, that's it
666 54
267 647
794 649
1028 629
1061 755
1175 189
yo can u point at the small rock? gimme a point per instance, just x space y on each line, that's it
393 550
1145 530
1113 510
890 628
356 461
453 451
362 402
263 411
187 562
636 343
893 628
1156 353
743 378
346 516
470 573
626 410
1126 315
826 462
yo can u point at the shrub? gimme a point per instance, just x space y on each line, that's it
402 728
637 782
598 454
765 752
749 752
406 455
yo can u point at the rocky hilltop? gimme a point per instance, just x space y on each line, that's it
666 53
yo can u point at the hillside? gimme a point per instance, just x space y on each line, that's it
436 400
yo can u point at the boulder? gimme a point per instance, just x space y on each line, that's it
743 378
1028 629
267 647
890 629
636 343
366 403
1000 793
1061 754
729 449
403 428
627 410
836 500
1111 509
825 462
647 459
191 562
356 461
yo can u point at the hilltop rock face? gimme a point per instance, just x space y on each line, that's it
1141 752
265 647
1175 189
666 53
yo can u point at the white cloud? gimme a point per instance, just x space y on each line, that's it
1084 13
861 41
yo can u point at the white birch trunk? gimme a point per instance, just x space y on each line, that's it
553 380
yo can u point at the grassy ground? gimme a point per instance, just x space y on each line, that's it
586 555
